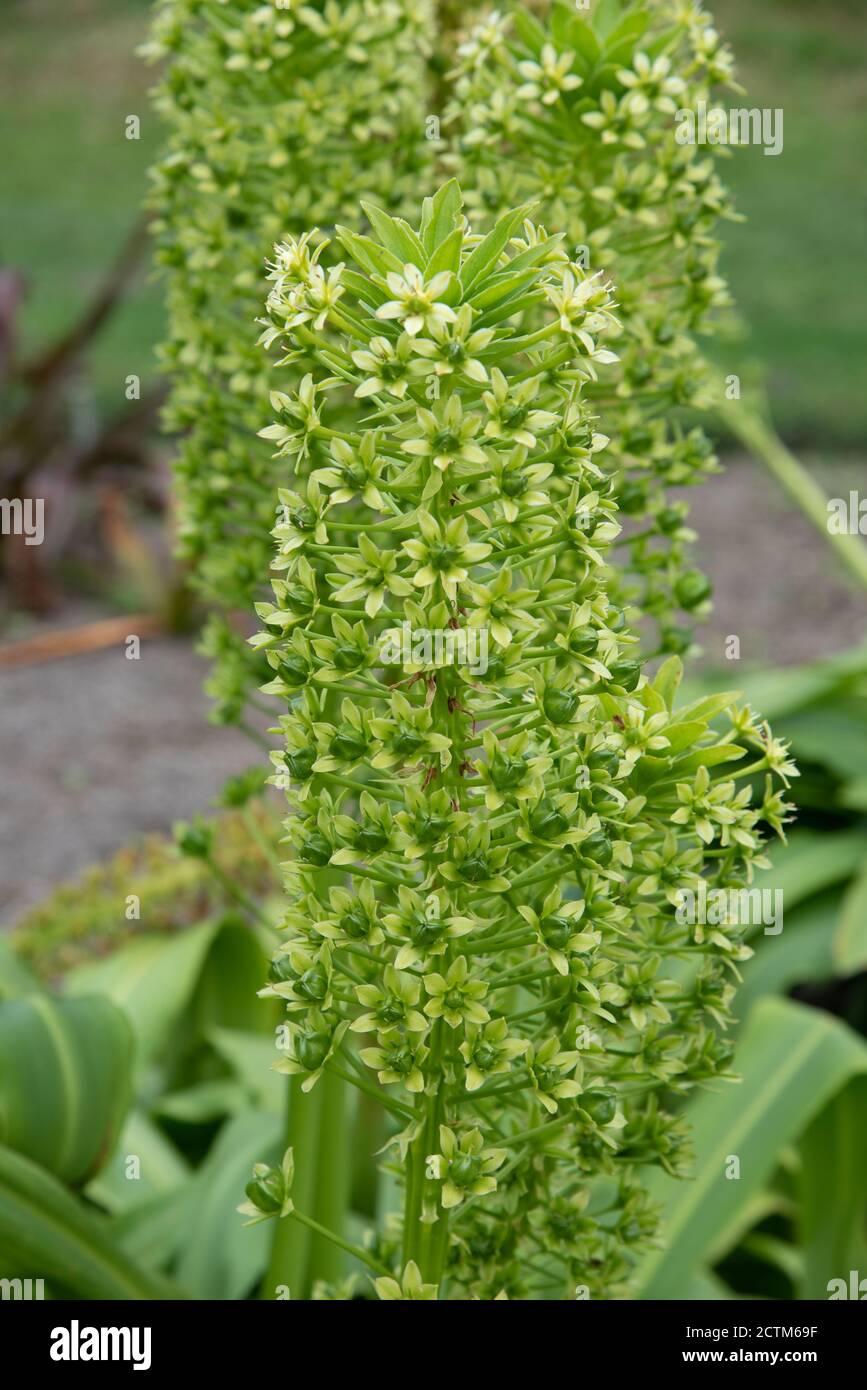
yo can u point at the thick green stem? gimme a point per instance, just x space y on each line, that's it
761 439
292 1241
331 1192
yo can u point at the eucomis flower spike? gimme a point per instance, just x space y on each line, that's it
493 811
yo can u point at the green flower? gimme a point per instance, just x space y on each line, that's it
552 1074
416 302
372 576
550 77
390 367
268 1191
398 1059
410 1287
488 1051
557 930
444 552
354 472
452 346
390 1006
445 436
424 926
310 1046
464 1166
455 996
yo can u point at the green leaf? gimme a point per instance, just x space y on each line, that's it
251 1057
368 253
447 256
160 1167
45 1233
441 215
203 1103
154 1232
15 977
801 953
832 1191
850 937
396 235
668 678
834 734
530 31
152 980
811 862
65 1081
224 1258
568 31
793 1061
490 248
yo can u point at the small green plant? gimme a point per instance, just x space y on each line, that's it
493 809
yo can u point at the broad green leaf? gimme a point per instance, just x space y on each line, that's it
793 1061
154 1232
705 1287
65 1081
811 862
144 1165
45 1233
834 734
251 1057
801 952
850 937
224 1258
152 980
203 1103
226 993
833 1192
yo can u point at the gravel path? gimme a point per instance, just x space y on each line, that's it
97 749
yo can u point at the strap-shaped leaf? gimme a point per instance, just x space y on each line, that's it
793 1061
45 1233
65 1069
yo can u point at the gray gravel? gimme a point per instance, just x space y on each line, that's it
98 749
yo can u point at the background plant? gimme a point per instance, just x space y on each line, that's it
579 112
279 118
485 870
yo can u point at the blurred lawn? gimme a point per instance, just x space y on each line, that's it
72 182
69 77
797 265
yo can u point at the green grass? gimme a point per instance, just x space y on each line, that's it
72 182
797 265
69 77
